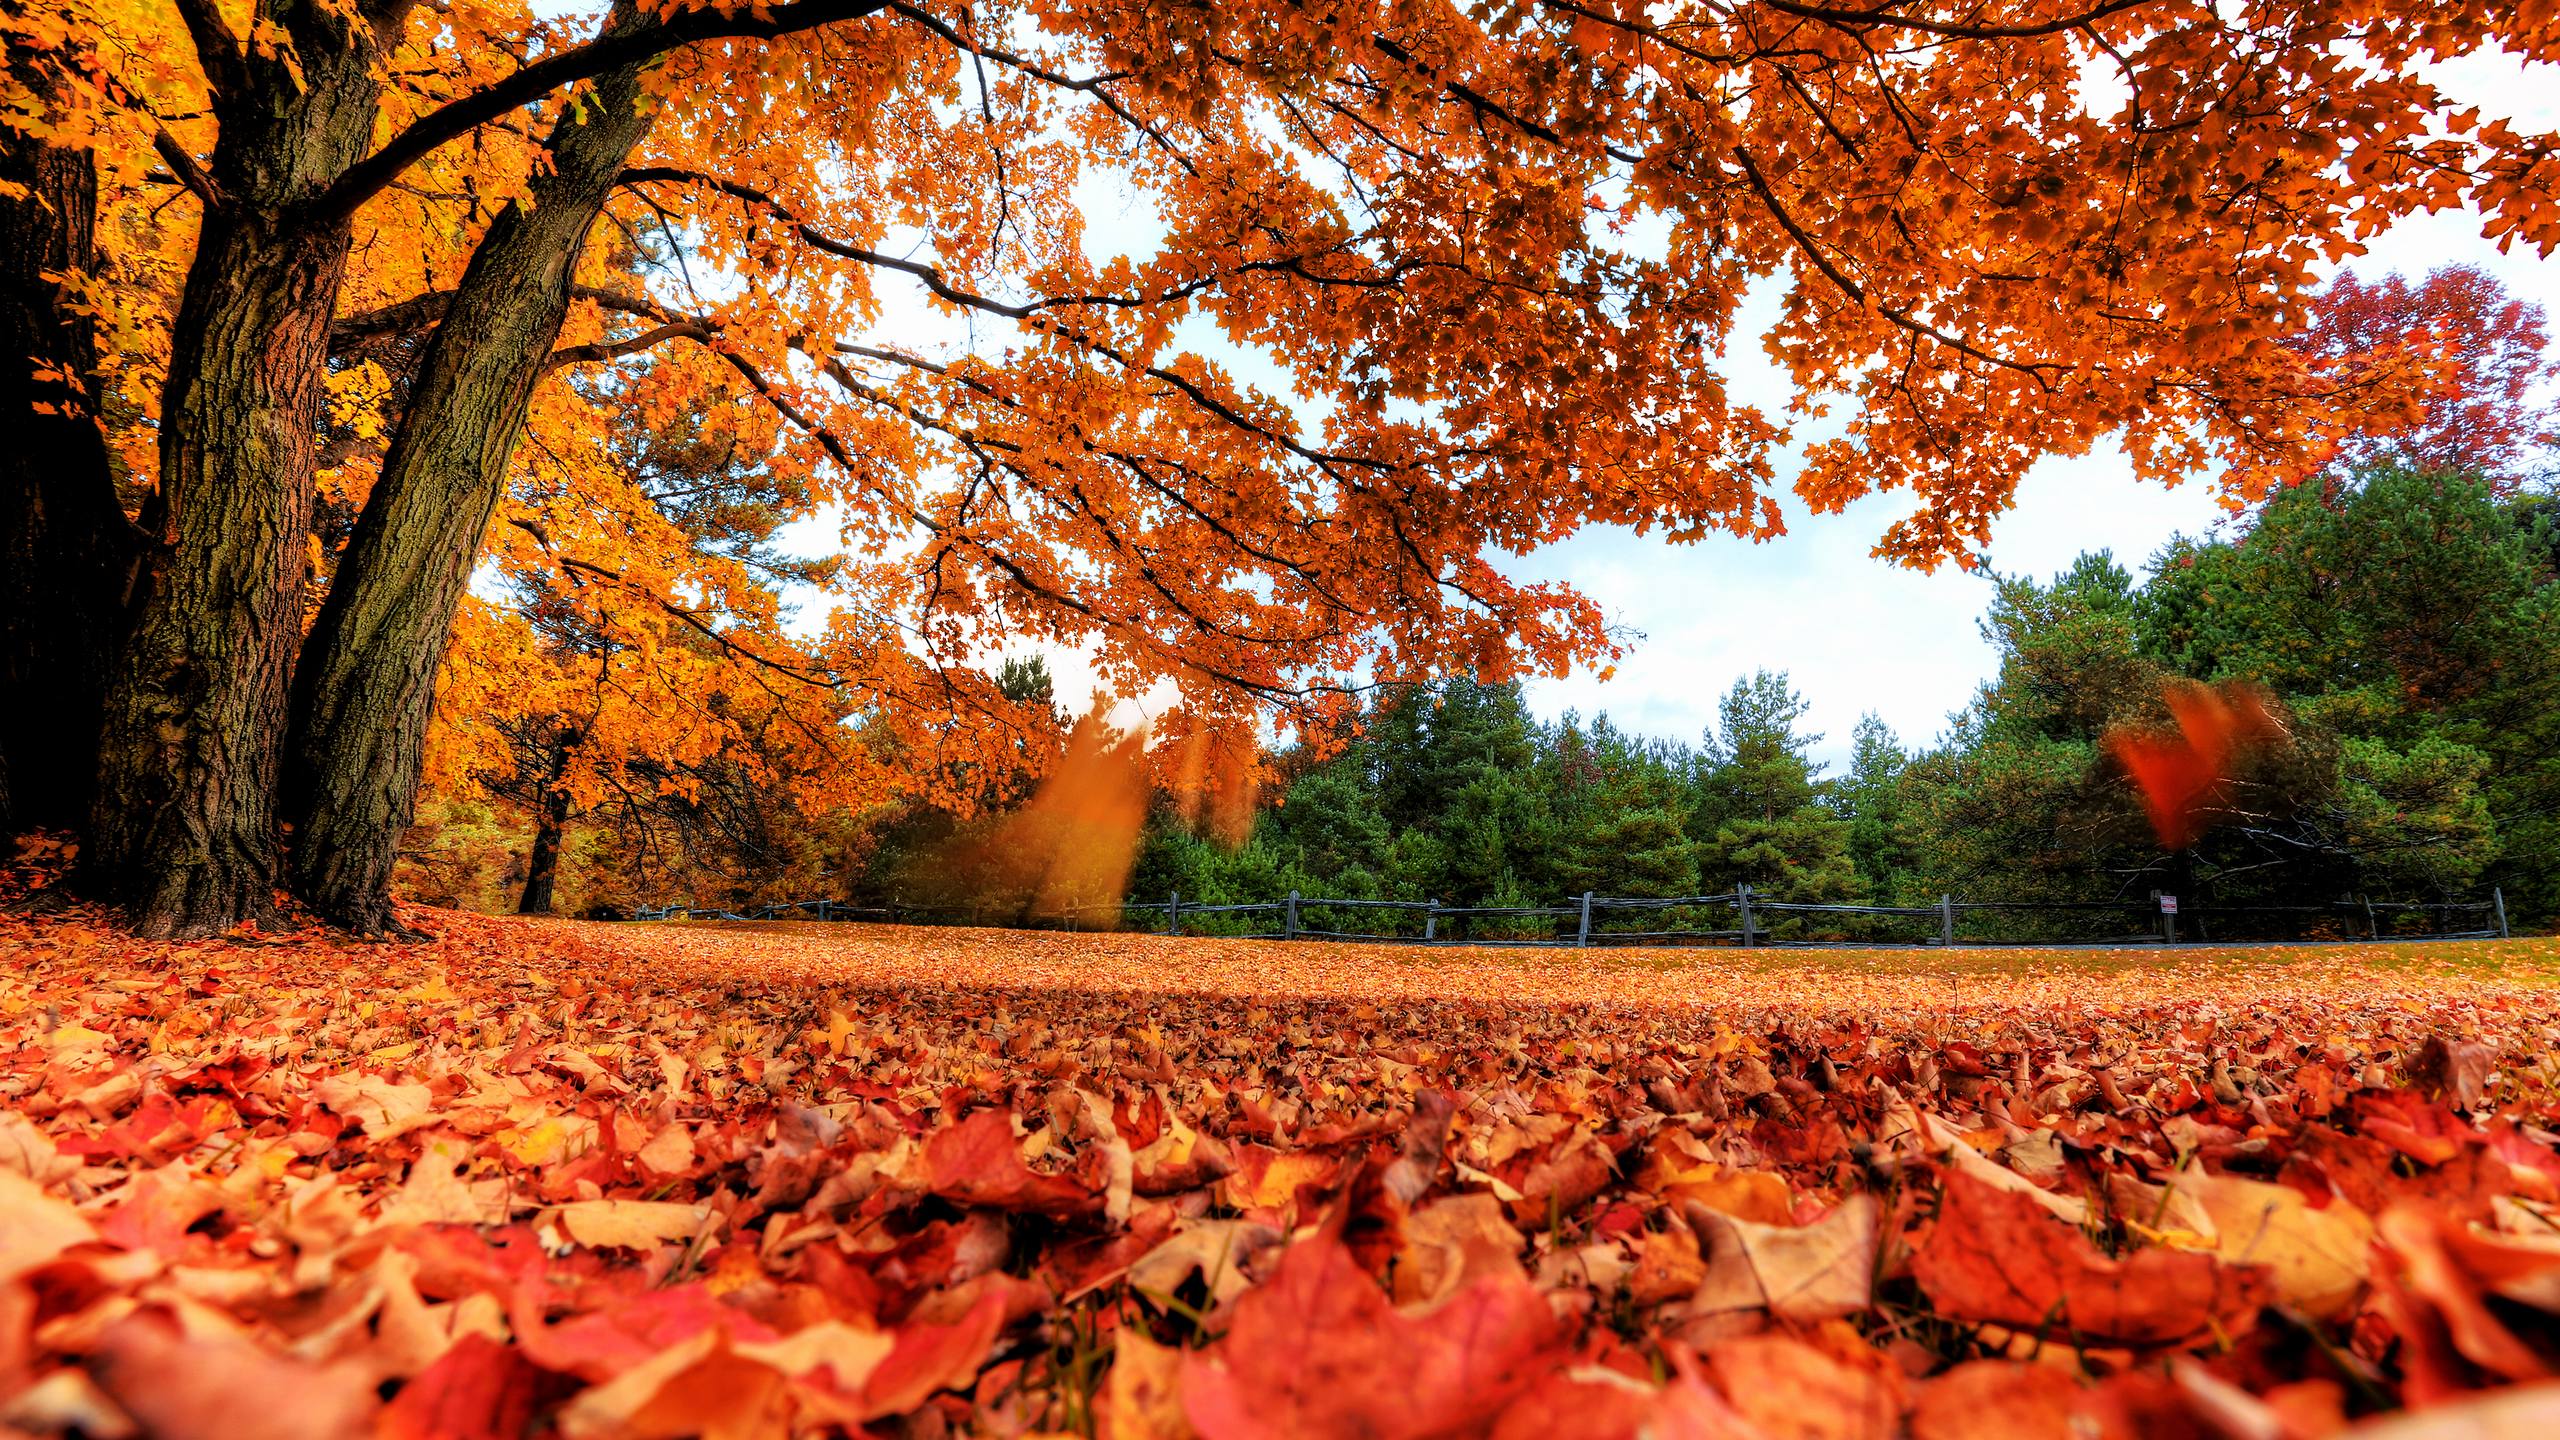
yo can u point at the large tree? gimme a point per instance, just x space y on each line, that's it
1489 256
1760 811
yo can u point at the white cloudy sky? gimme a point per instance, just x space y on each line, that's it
1854 633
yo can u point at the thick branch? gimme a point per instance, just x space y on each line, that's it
609 51
217 49
349 333
189 173
400 317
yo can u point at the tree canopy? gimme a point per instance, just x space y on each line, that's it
1425 284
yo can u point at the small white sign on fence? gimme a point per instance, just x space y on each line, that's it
2168 904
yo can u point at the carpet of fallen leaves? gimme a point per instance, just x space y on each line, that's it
535 1178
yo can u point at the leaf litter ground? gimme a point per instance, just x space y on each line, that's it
538 1178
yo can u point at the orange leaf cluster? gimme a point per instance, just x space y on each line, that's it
535 1178
1405 286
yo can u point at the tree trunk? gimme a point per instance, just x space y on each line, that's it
66 550
183 827
366 687
542 869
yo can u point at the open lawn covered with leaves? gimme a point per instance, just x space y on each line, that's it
532 1178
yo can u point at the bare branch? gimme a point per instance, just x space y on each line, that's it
1812 251
184 166
615 349
1884 19
814 678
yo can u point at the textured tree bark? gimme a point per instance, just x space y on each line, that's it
183 827
542 868
66 550
366 685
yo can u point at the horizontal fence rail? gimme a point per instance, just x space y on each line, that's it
1739 917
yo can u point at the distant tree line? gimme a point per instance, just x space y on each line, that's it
2407 623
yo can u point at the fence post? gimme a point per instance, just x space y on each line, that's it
1947 920
1582 937
2372 927
1742 898
1173 914
1289 929
2498 901
1431 921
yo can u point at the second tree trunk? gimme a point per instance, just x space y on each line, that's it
366 687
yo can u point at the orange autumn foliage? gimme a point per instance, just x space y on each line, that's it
2181 775
2488 410
1066 854
1406 288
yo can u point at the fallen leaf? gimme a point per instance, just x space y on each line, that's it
1317 1350
2316 1257
1455 1241
2011 1398
226 1387
1142 1399
1803 1274
34 1226
1791 1391
631 1224
2527 1412
1215 1250
384 1108
1996 1255
979 1162
478 1389
1589 1402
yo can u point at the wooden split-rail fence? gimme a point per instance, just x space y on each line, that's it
1738 917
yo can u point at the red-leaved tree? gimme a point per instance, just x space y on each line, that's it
2486 392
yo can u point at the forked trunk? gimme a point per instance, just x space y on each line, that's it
366 687
183 828
66 550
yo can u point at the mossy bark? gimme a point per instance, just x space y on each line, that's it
183 827
366 686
